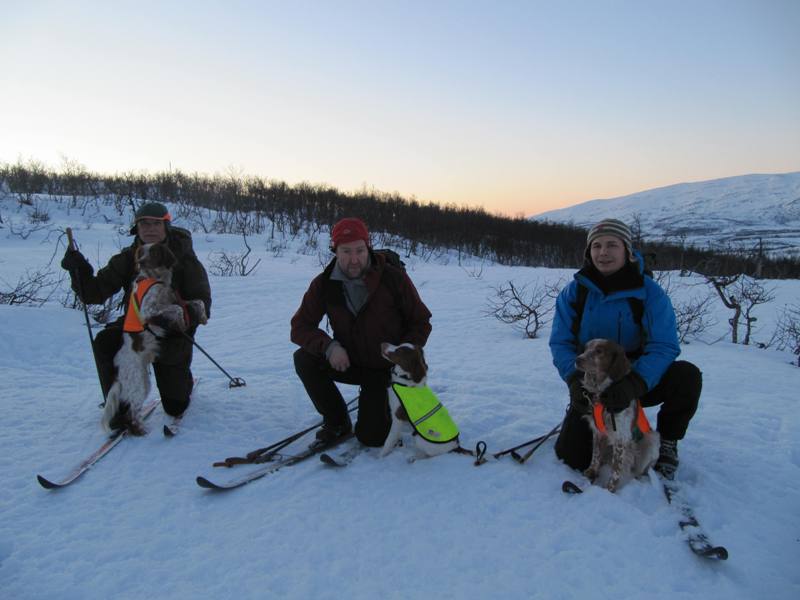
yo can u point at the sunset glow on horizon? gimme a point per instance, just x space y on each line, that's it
516 107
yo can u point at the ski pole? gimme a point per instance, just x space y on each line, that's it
544 438
235 381
518 446
268 452
76 277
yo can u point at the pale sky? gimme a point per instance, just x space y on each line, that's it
518 107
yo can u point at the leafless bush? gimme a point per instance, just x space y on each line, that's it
24 230
474 272
741 294
693 317
787 332
526 310
32 288
229 265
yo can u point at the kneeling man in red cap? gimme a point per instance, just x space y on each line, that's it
367 302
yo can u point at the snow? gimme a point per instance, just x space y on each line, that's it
137 525
733 213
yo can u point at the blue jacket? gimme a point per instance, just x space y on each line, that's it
611 317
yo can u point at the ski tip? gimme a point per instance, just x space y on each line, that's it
46 483
329 460
716 553
168 432
570 488
205 483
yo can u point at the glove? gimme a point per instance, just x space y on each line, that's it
620 394
195 318
170 320
74 262
577 400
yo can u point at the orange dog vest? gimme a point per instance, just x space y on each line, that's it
133 317
641 423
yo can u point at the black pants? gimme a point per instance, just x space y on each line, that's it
318 377
172 367
678 393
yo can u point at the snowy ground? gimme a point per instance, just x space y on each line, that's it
137 525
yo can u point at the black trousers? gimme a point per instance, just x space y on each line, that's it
172 367
678 393
318 377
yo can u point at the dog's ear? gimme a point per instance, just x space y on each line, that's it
620 365
418 367
162 255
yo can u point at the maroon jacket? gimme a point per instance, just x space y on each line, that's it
393 313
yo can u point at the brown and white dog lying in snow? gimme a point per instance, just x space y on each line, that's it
155 304
617 442
409 381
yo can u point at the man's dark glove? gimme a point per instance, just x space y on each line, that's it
620 394
577 399
74 262
194 317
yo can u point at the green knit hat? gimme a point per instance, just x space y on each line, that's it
151 210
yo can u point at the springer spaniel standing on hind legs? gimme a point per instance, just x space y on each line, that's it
153 310
414 408
622 441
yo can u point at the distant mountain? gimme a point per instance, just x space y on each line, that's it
729 213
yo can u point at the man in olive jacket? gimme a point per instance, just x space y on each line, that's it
189 279
367 302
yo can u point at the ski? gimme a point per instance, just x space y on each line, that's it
343 458
232 484
87 463
171 429
695 536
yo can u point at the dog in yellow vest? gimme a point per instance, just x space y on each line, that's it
414 407
154 308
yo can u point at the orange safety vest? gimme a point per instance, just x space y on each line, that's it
133 318
640 426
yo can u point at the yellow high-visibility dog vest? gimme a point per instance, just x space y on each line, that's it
428 416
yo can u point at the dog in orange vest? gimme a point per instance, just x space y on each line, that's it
154 308
623 441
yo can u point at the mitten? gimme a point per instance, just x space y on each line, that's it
74 262
619 395
577 399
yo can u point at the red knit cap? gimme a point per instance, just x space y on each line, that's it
349 230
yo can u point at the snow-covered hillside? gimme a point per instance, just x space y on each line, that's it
138 526
729 213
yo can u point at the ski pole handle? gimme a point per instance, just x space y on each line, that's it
70 240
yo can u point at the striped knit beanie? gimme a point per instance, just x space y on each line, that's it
610 227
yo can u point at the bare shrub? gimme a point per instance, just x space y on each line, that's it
693 317
32 288
787 332
224 264
741 294
525 309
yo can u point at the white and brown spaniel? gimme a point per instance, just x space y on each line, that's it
623 441
153 310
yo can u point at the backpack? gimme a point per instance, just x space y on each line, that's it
392 257
636 304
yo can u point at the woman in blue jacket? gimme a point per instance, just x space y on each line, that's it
619 302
